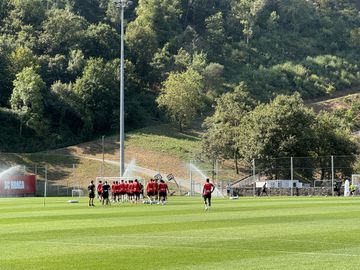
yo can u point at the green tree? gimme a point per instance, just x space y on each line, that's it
97 92
215 35
29 11
247 12
161 64
214 80
27 99
142 43
76 63
4 9
21 58
67 121
333 137
89 9
182 97
281 128
222 128
162 17
102 41
63 31
355 37
53 68
5 77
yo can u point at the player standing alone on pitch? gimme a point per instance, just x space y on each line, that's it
207 190
91 189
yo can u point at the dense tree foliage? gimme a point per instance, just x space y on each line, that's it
181 96
285 127
223 127
271 46
27 99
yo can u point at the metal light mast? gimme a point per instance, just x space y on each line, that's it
122 4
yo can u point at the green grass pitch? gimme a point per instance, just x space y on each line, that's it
249 233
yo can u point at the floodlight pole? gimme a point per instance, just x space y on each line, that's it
122 4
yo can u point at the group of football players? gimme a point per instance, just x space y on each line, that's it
131 191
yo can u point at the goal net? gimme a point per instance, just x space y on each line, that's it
77 192
355 180
324 183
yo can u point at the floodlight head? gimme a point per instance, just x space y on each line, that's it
122 3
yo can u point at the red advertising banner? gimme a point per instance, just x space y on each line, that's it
18 185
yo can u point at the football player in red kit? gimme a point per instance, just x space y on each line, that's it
130 191
126 196
113 191
122 191
99 190
163 189
136 189
156 189
150 190
117 191
207 190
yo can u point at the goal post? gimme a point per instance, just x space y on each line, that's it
77 192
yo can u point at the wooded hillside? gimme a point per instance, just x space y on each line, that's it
59 61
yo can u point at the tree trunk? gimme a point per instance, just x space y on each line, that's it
236 162
213 171
322 176
20 128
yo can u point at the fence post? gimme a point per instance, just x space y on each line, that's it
45 185
332 175
191 186
217 173
103 155
292 174
74 177
36 178
254 177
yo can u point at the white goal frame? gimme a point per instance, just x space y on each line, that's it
78 191
324 183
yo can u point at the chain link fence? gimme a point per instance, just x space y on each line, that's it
61 174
